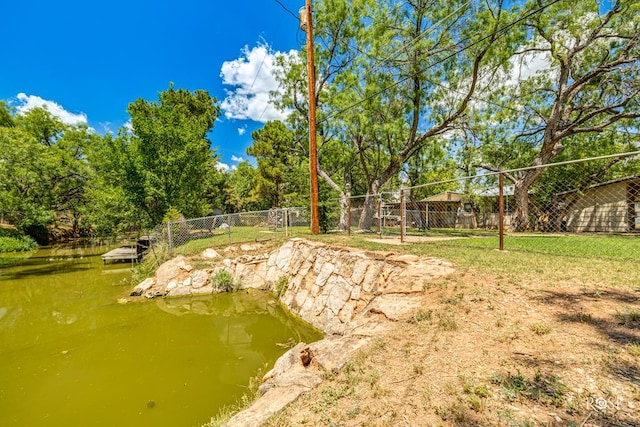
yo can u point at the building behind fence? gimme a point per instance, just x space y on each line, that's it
597 195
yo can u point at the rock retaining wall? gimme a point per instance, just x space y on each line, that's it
349 294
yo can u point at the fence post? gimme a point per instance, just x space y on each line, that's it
501 210
348 213
170 238
286 222
402 214
229 227
380 216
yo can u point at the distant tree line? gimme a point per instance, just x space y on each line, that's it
407 93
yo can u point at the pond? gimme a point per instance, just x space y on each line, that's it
70 354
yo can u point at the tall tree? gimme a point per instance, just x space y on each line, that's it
589 83
278 166
169 153
393 76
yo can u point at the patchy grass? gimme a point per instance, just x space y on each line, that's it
540 328
543 388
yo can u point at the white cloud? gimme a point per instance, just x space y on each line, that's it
223 167
237 159
242 131
528 65
253 78
29 102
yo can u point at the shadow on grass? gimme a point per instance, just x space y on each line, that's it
621 329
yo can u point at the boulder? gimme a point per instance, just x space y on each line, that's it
210 254
169 270
142 287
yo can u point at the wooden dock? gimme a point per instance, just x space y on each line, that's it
124 253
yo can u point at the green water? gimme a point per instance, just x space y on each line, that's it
71 355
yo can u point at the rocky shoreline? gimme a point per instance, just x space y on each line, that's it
351 295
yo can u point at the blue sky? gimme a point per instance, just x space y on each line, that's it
87 60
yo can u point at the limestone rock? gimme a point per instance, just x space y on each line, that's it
179 291
210 254
199 279
249 248
144 286
396 306
169 270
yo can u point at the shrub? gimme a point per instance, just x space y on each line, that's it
13 241
281 285
223 281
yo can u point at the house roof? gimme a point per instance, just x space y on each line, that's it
507 190
602 184
447 196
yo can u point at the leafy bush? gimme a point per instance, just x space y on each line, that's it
12 241
223 281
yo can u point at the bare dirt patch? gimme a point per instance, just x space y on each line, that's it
482 351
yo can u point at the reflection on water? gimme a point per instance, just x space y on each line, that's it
71 355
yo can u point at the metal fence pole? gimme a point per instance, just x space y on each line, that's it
170 238
501 209
402 216
229 227
380 216
349 214
286 222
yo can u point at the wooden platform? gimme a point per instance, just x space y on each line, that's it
124 253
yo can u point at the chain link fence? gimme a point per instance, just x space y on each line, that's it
232 228
589 206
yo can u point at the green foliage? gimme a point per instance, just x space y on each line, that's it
241 189
281 285
168 154
14 241
223 281
278 166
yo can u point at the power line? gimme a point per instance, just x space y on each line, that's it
497 32
288 10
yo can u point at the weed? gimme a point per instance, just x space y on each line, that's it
421 316
281 285
455 412
455 300
352 412
540 328
448 323
583 317
223 281
634 349
629 319
476 403
332 395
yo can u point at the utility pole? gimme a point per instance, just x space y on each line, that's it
306 24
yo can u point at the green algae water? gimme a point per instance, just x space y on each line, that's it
71 355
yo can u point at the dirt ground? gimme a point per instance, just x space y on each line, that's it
488 352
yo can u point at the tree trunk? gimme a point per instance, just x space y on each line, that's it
520 218
344 213
369 209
